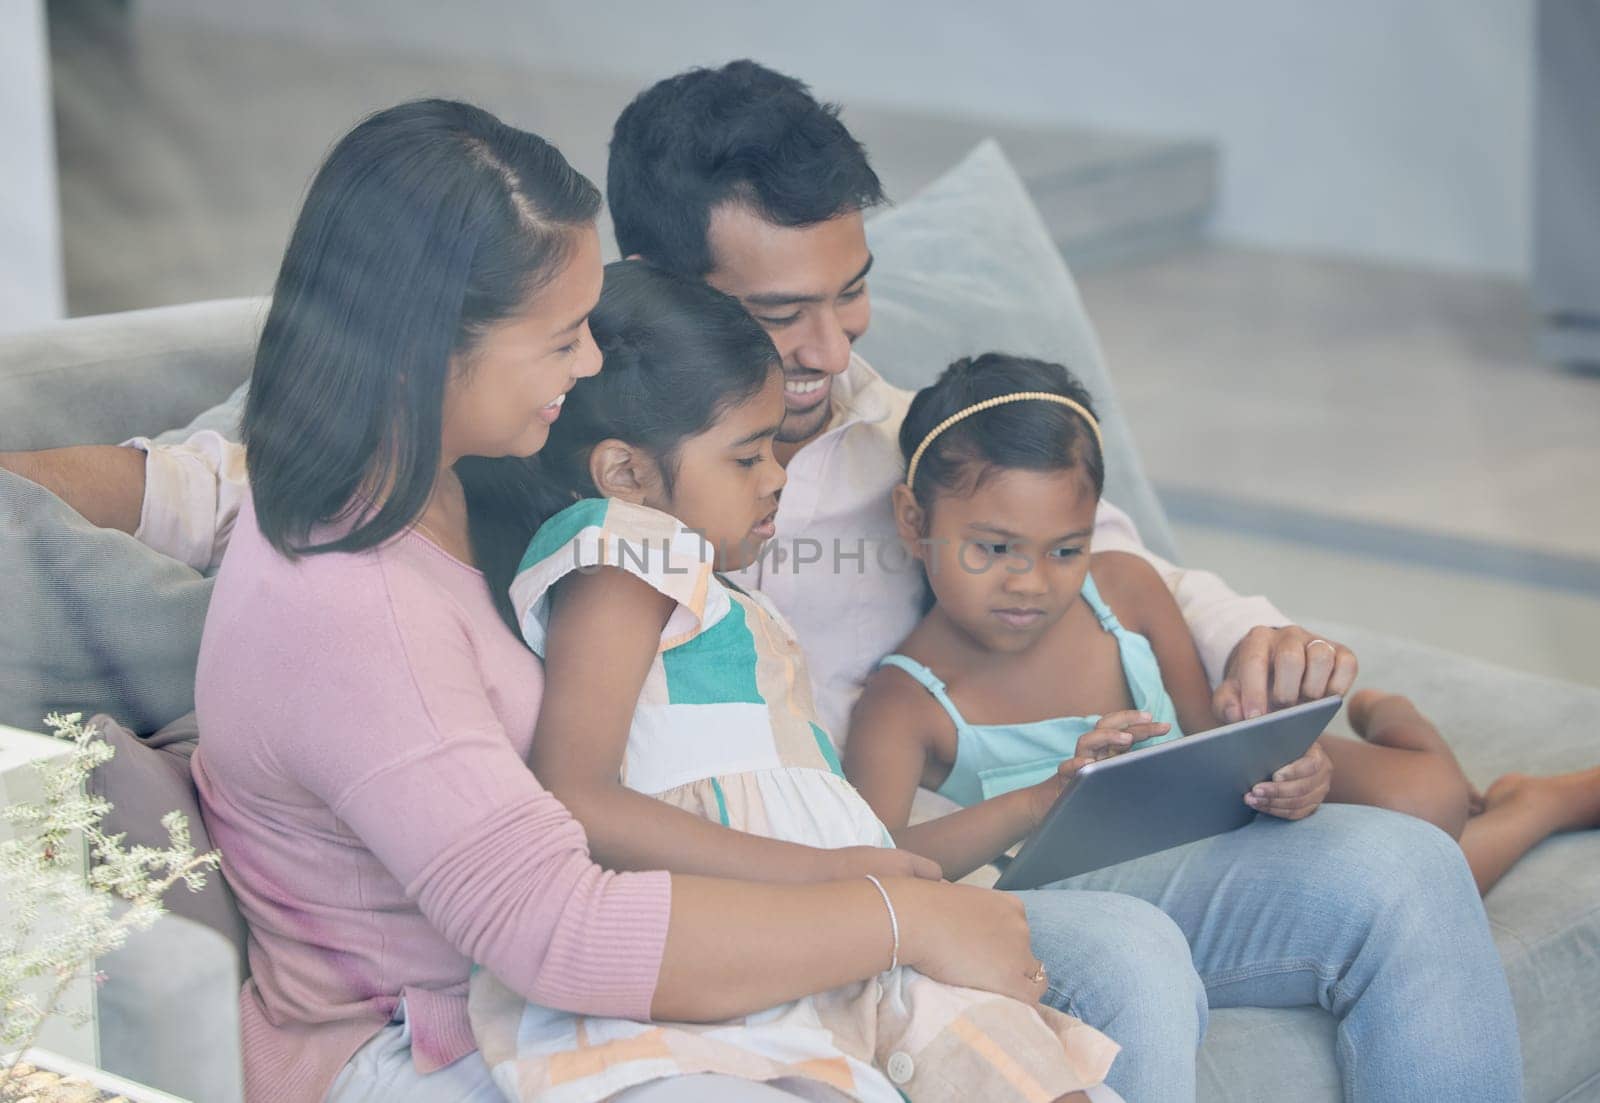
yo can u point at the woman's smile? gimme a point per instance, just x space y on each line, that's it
552 410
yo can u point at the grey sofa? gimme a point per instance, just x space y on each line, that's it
98 380
1545 914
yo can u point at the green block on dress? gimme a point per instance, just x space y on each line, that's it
717 667
825 745
563 528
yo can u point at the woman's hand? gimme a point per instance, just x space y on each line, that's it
961 934
850 862
1115 733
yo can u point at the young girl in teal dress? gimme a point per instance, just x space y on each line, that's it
1038 656
677 707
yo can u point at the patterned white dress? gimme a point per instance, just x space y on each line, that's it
725 728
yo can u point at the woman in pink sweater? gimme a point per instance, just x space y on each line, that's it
368 712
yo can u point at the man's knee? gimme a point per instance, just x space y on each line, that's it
1385 864
1126 962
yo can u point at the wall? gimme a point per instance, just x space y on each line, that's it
1398 131
30 223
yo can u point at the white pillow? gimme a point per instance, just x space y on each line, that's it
966 266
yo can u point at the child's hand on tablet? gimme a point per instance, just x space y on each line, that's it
1115 733
1297 790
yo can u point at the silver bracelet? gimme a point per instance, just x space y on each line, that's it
894 923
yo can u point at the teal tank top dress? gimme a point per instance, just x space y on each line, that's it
992 759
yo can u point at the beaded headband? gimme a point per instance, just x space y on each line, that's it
991 403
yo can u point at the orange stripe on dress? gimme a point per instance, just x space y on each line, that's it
1017 1076
832 1071
592 1061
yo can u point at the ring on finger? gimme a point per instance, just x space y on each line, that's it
1037 976
1324 643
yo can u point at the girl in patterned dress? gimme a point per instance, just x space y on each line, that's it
678 726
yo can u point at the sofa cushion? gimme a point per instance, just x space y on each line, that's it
1545 913
93 620
169 1013
224 419
967 266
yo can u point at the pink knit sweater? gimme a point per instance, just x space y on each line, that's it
366 720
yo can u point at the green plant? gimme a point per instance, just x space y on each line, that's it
57 921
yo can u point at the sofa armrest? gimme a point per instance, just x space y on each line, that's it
169 1012
101 380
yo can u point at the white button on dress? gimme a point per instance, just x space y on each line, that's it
901 1067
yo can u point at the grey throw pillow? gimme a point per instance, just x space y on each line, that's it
147 778
966 266
93 620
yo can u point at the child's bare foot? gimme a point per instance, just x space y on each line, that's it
1372 711
1570 801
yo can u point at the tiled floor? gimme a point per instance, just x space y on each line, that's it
1543 631
1369 444
185 149
1386 394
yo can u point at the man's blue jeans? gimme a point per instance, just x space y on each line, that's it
1368 914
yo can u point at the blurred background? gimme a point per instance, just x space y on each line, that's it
1344 258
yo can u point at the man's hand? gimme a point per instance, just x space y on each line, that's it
1273 668
1296 790
104 482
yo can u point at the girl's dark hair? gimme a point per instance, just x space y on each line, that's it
678 354
1035 436
427 223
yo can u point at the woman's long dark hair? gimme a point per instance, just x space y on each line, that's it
426 224
678 354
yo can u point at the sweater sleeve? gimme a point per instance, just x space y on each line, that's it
502 870
1217 617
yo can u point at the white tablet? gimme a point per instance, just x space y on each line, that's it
1159 797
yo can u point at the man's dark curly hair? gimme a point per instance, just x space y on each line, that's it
742 132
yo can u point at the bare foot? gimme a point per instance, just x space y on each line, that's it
1570 801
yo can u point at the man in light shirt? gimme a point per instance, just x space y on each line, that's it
739 177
